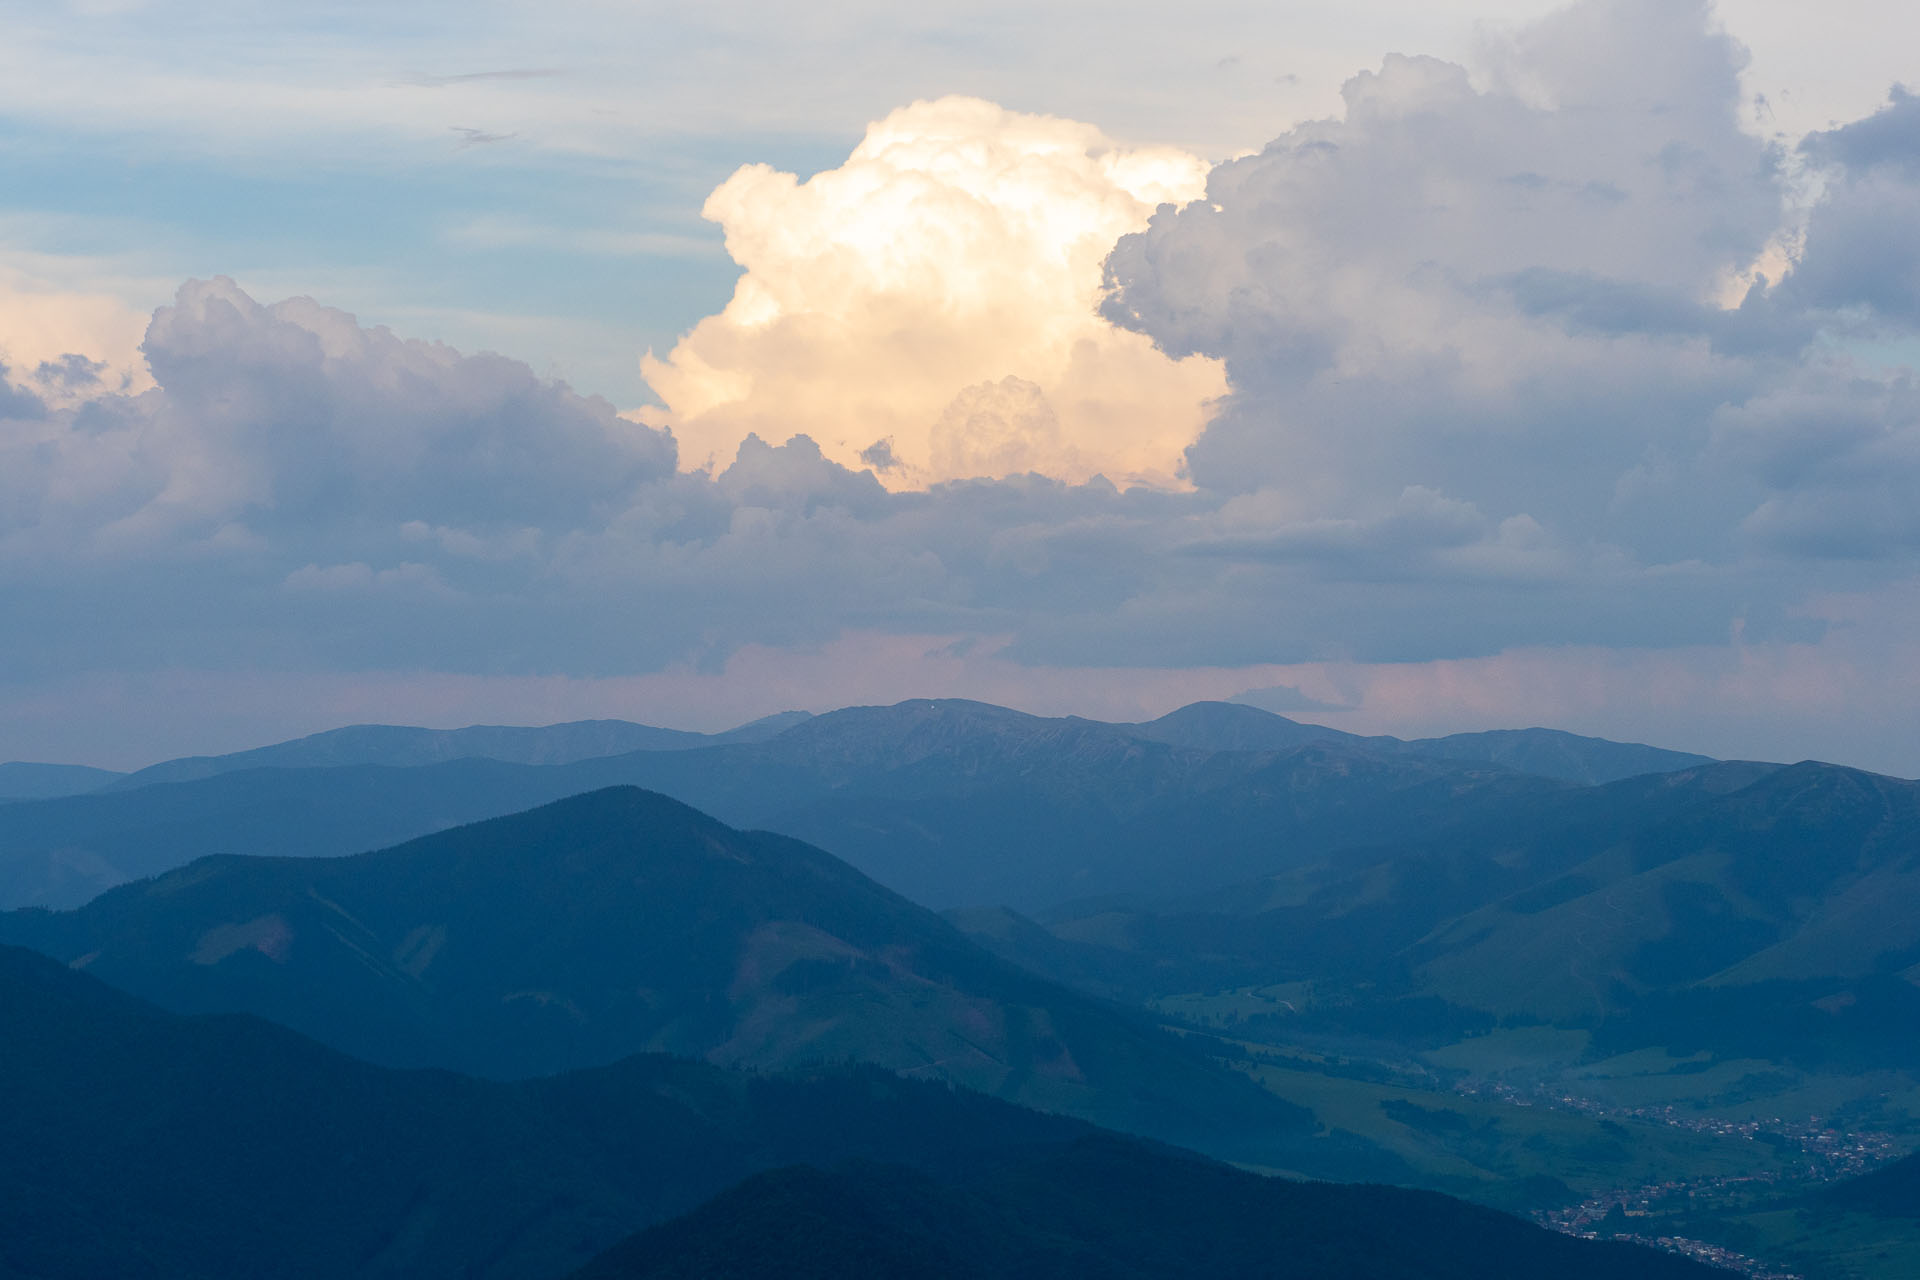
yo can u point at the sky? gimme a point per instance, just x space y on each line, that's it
1406 368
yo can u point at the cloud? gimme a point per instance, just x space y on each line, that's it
52 335
1860 254
1887 139
473 77
292 426
1487 421
938 290
479 137
1501 294
1840 456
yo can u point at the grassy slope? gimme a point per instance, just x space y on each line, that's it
622 921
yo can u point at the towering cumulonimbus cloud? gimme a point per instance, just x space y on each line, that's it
929 307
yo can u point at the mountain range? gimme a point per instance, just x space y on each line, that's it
951 803
1416 919
1546 753
404 746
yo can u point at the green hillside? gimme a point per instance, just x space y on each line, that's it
622 922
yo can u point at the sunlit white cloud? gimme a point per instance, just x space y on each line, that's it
929 307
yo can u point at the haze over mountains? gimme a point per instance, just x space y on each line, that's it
22 780
403 746
1208 726
952 803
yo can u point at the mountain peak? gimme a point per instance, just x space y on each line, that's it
1233 726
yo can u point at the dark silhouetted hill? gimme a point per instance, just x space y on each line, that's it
1104 1210
147 1145
142 1144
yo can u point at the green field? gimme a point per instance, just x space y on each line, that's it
1852 1246
1548 1061
1528 1119
1474 1140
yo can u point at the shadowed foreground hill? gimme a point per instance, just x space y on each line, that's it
146 1146
622 922
142 1144
1104 1210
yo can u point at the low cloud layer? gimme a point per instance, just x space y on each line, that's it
1549 396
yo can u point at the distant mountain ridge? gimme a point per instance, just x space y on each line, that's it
1207 726
405 746
1546 753
954 803
25 780
951 803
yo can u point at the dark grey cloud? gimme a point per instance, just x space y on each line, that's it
18 401
1861 253
1888 139
70 373
1841 459
880 456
